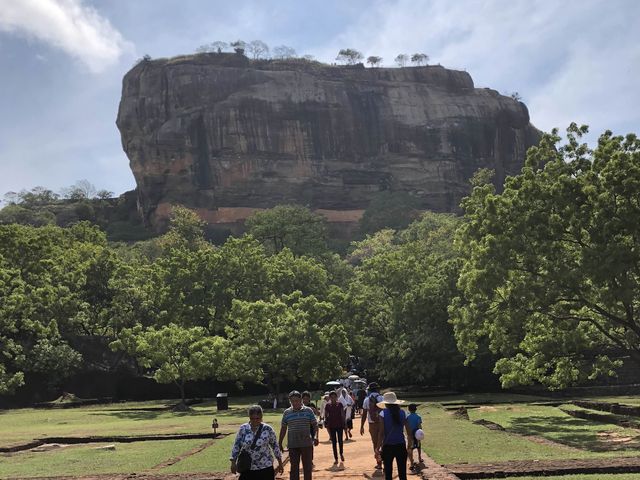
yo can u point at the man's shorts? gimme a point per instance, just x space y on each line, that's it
415 444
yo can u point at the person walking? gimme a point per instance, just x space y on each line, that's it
334 418
306 401
259 440
371 415
414 421
391 436
300 427
347 403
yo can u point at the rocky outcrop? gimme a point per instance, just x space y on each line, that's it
226 136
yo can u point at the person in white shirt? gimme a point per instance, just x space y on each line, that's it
347 403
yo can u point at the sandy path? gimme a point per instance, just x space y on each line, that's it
359 461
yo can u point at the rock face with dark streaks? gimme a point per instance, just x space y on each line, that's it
227 136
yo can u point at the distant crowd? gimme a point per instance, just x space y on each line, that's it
395 434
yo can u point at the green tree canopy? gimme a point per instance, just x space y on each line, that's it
397 302
291 226
551 271
287 338
395 210
177 354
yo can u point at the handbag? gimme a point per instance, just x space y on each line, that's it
243 462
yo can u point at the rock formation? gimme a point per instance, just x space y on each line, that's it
227 136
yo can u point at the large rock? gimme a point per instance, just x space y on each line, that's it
226 136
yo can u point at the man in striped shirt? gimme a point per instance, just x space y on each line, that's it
300 422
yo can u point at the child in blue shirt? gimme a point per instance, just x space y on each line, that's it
414 422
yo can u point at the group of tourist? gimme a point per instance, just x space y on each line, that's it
394 434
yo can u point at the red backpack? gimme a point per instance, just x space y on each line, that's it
374 410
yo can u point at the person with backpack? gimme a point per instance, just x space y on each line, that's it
254 448
392 443
371 415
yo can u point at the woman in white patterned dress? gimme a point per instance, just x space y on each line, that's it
262 455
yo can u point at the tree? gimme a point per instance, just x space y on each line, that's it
287 338
309 58
37 196
388 209
291 226
50 284
219 46
186 228
239 46
178 355
206 48
288 273
402 60
419 58
104 194
11 198
26 216
374 61
81 190
516 96
399 297
257 48
282 52
551 270
349 55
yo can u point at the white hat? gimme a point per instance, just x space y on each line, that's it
389 398
419 434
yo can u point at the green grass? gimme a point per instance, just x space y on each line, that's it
82 459
22 425
624 399
594 438
212 459
459 441
449 440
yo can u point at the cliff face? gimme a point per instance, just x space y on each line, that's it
227 136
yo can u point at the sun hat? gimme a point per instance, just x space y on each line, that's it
419 434
389 398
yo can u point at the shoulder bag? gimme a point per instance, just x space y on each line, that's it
243 462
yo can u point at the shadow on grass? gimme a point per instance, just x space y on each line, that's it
574 432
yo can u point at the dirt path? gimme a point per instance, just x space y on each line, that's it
359 462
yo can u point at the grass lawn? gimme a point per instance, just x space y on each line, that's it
83 459
450 440
121 419
595 439
212 459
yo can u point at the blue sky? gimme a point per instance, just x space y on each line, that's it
63 63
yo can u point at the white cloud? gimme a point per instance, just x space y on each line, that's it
576 60
68 25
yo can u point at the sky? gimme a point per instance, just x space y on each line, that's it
62 63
